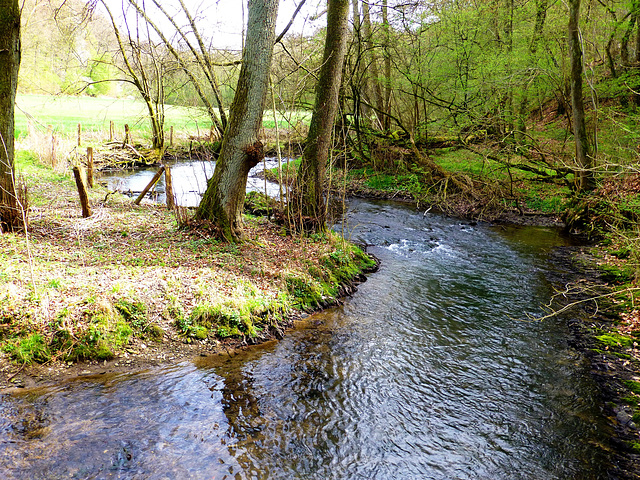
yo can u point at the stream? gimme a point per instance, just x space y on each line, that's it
432 370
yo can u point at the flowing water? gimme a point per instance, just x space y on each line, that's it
432 370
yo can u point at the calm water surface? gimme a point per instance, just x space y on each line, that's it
189 181
431 371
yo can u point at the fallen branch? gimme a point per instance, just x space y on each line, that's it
555 313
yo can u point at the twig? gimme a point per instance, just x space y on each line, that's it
555 313
14 375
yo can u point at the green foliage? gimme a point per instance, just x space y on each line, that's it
105 336
545 204
617 274
54 283
307 292
134 312
100 72
257 203
32 348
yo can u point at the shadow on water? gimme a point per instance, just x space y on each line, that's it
430 371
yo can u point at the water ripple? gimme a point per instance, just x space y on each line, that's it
429 372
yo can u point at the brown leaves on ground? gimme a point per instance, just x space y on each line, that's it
630 322
68 264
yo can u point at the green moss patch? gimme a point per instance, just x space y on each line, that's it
613 339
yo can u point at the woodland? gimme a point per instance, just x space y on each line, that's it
523 111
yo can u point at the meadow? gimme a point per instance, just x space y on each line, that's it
64 113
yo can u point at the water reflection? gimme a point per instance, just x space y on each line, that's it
189 181
428 372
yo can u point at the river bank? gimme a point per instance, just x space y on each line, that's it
129 288
604 328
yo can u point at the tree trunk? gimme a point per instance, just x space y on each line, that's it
377 91
10 216
538 30
312 171
223 200
584 176
387 65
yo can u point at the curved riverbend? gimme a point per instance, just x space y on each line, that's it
430 371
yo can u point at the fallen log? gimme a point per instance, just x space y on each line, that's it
153 181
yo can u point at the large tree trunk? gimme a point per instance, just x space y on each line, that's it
223 200
378 101
584 159
10 216
311 175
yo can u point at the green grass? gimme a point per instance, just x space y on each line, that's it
94 113
613 339
462 161
64 113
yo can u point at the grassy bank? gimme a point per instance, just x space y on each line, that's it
128 278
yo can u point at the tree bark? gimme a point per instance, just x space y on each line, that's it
311 175
584 159
377 90
82 192
10 216
386 28
223 200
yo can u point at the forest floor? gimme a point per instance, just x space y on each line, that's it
126 288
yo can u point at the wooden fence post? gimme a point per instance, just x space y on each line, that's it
111 128
127 135
79 134
90 166
54 141
82 191
153 181
171 204
171 136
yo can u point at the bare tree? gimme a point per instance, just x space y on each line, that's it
10 216
200 55
223 200
146 73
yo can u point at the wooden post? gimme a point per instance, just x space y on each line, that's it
171 204
90 166
111 129
171 136
79 134
82 191
54 141
153 181
212 133
127 135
